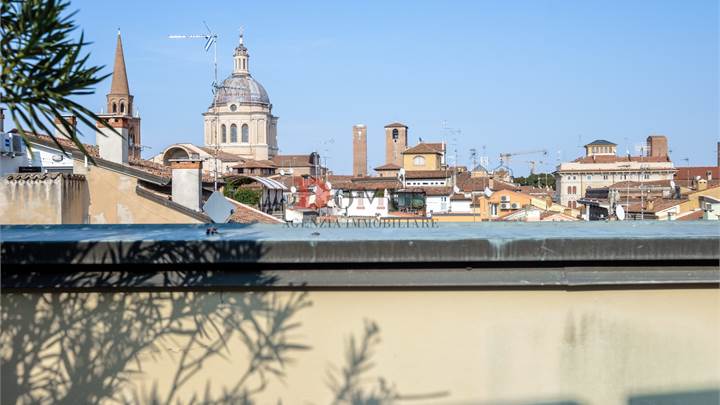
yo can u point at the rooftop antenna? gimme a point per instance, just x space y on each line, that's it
210 41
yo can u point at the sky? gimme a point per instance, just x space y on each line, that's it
495 76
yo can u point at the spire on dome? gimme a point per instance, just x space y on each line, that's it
119 78
241 58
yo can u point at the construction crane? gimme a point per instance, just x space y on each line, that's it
210 41
505 158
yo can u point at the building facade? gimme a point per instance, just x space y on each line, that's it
601 167
240 119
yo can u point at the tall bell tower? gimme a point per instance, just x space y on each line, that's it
120 101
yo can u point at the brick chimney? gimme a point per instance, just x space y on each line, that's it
187 182
111 146
60 131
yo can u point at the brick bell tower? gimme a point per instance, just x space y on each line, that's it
120 102
359 150
396 142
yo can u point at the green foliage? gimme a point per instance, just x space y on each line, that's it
244 195
43 68
537 180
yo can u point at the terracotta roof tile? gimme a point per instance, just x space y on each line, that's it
388 166
293 160
438 191
422 148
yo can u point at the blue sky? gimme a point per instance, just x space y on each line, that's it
510 75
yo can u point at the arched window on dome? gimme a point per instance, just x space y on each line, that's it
223 133
245 133
233 133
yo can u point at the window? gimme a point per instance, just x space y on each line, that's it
419 161
122 107
569 190
574 190
589 177
233 133
647 176
233 107
605 176
245 133
223 133
395 134
114 108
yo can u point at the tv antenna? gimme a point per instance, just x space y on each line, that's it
210 41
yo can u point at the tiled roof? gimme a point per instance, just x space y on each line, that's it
427 174
255 164
292 160
619 159
438 191
245 214
692 216
658 205
535 191
43 176
388 166
222 155
146 166
374 183
601 142
479 183
396 124
637 184
422 148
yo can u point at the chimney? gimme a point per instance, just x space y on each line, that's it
359 150
701 184
187 182
111 146
60 131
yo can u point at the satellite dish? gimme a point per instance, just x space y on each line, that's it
620 212
293 189
487 192
329 186
282 172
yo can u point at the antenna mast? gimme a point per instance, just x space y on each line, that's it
210 41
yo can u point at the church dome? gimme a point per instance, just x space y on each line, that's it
241 89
